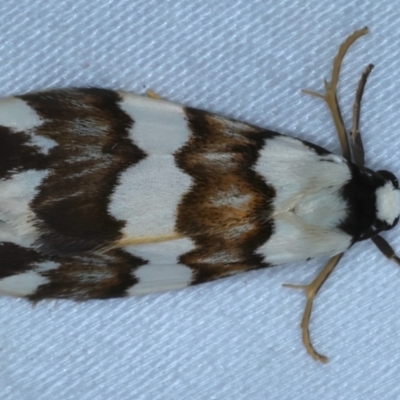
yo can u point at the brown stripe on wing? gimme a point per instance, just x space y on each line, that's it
227 211
93 149
90 276
17 153
15 259
79 277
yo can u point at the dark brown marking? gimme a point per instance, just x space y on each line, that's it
17 154
227 211
16 259
85 276
90 276
93 149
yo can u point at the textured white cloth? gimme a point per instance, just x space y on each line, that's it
238 338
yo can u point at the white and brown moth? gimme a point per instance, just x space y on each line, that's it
109 194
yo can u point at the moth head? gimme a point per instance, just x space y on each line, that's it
387 201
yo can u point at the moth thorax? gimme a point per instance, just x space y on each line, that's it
388 203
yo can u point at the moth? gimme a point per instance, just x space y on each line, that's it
109 194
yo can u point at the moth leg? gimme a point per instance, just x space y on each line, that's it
330 95
385 248
153 95
311 291
355 136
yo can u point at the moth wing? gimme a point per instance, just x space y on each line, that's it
105 194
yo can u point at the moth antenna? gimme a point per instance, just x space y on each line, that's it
311 291
385 248
356 144
330 95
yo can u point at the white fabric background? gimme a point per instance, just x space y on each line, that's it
238 338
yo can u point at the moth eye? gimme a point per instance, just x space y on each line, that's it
389 176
